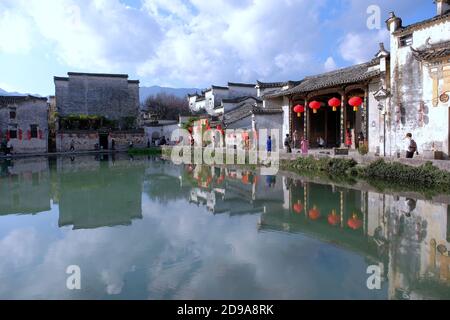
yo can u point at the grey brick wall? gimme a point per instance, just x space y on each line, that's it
112 97
28 112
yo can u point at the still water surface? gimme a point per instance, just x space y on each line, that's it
145 228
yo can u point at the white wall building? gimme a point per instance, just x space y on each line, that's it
420 83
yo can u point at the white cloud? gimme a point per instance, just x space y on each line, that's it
104 35
196 42
361 47
15 35
330 64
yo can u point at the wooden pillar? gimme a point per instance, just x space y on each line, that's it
365 115
343 119
306 121
341 208
305 198
291 117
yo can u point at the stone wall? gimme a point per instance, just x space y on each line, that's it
160 131
113 97
87 141
270 122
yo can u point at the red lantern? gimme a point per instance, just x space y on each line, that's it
355 102
298 207
20 134
334 103
29 134
315 105
314 213
8 135
333 218
299 109
354 223
40 134
245 179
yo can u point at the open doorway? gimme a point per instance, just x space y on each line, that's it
103 137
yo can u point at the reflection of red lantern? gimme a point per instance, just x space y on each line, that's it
355 102
298 207
20 134
354 223
334 103
40 134
315 105
333 218
314 213
8 135
299 109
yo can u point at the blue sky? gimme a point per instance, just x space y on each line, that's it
188 43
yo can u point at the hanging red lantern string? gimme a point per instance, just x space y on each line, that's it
354 223
333 218
355 102
314 213
334 103
315 105
298 207
299 109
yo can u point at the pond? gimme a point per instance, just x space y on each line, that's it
144 228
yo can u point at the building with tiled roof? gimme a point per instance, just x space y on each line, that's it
23 124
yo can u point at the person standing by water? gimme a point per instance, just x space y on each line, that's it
72 146
411 146
348 139
304 145
360 140
287 144
296 140
269 144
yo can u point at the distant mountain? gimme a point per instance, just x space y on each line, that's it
6 93
145 92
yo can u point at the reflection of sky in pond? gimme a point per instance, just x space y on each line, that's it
174 248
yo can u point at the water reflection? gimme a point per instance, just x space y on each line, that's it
210 232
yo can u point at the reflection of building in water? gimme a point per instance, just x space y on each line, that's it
416 233
234 192
407 238
108 196
24 186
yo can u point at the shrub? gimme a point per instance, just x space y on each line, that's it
426 175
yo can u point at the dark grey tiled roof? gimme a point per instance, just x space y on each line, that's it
246 110
236 84
240 99
266 85
348 75
106 75
237 114
439 50
423 23
6 100
219 87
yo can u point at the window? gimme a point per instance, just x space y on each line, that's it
34 131
406 40
13 134
12 114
